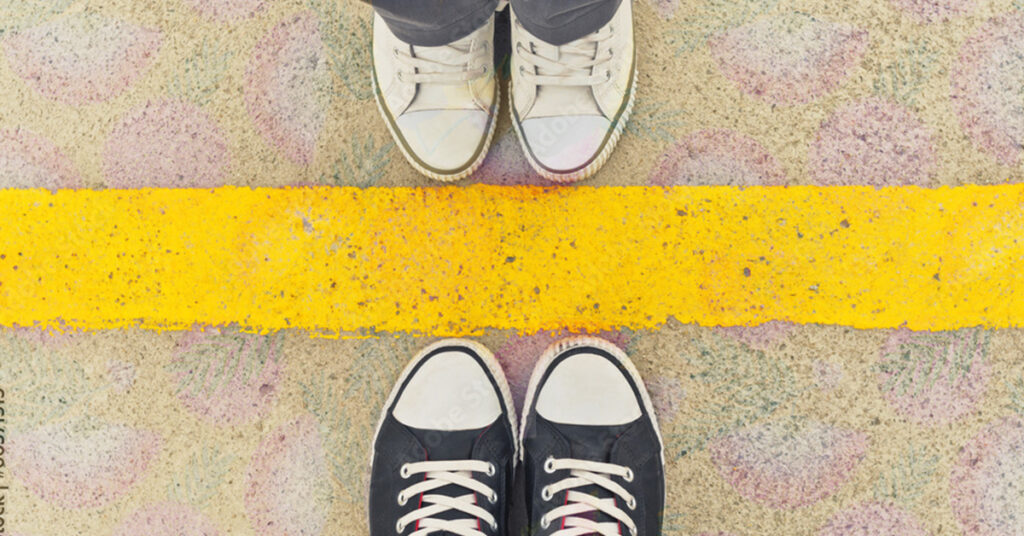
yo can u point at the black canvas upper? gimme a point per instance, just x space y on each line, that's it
397 444
634 445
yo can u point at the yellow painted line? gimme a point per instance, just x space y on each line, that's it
459 260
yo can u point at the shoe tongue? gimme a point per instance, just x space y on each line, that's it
443 96
454 57
559 54
593 443
457 445
562 100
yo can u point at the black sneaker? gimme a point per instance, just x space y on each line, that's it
445 451
594 460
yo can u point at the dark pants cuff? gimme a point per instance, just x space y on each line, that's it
439 22
432 23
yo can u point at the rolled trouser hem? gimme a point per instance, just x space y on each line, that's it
559 22
433 23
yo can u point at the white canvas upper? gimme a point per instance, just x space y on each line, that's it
440 137
571 101
439 102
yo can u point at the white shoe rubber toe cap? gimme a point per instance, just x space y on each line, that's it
565 143
449 391
587 389
445 140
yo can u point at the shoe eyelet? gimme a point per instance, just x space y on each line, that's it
404 471
402 499
545 493
608 75
394 52
399 527
549 465
631 503
491 469
493 498
544 522
629 475
494 525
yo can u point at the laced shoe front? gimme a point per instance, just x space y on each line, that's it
570 102
445 450
440 103
441 474
592 451
585 474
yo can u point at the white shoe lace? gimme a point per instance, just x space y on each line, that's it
588 473
444 65
440 474
575 64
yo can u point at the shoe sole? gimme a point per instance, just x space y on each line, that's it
598 162
492 366
564 345
413 161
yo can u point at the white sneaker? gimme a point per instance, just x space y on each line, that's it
440 103
570 102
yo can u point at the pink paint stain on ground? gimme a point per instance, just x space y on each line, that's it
168 144
827 375
520 353
934 378
761 336
83 57
666 395
665 8
121 375
167 519
873 519
227 10
986 87
787 466
717 157
934 10
287 87
82 467
44 337
30 161
986 490
788 59
288 485
238 380
873 142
